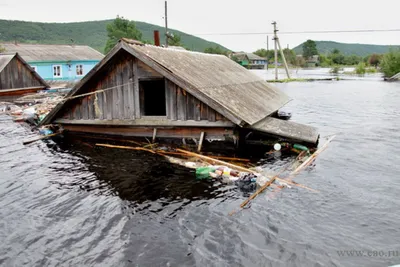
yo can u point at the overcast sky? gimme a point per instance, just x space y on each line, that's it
213 16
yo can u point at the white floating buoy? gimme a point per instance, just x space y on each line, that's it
277 146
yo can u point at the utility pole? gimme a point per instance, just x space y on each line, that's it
267 51
166 25
284 59
276 51
276 54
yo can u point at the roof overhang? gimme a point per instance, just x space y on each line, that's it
287 129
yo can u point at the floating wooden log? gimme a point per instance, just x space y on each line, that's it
227 164
127 147
213 157
154 135
39 138
292 174
310 159
200 141
306 162
239 168
296 184
113 139
262 188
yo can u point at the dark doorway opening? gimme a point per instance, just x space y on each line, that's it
153 97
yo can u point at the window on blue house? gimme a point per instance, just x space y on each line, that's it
56 71
79 70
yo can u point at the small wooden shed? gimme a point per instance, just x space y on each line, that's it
142 90
17 77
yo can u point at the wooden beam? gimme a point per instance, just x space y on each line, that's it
131 97
223 134
148 122
200 141
20 91
167 99
154 134
181 105
127 147
214 157
39 138
136 96
227 164
173 95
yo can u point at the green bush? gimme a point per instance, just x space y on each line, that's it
360 69
390 64
335 69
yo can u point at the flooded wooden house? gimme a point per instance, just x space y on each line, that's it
145 91
17 77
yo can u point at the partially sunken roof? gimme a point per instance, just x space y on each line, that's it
230 89
42 52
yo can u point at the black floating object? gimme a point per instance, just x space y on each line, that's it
284 115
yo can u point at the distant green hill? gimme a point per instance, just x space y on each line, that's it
325 47
92 33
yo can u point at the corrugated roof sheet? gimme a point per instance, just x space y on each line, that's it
41 52
252 56
242 93
4 60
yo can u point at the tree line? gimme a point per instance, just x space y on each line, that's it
388 63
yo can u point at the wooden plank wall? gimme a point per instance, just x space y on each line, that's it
117 99
17 75
183 106
123 102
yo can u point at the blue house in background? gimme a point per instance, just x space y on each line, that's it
57 62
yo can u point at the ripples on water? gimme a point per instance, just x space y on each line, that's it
78 206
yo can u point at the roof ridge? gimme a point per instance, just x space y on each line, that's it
181 50
134 42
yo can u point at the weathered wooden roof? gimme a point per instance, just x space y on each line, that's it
216 80
5 59
42 52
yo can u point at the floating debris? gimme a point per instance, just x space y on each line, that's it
31 108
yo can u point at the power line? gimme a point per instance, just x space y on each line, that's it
303 32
